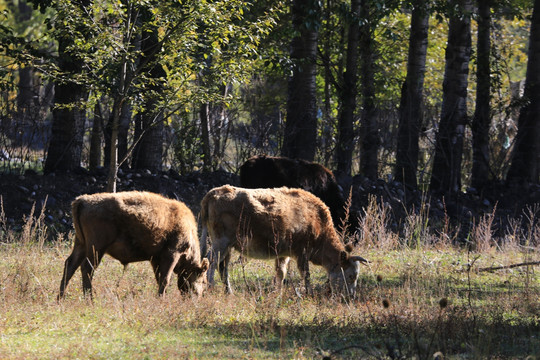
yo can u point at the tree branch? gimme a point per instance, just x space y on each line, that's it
493 268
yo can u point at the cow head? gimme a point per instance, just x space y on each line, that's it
194 279
344 277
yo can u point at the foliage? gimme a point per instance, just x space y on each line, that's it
18 42
187 145
242 46
219 38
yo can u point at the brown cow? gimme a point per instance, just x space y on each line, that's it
136 226
263 171
275 223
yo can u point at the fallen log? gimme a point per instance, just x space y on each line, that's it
493 268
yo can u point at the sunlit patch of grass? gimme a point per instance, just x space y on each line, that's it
412 301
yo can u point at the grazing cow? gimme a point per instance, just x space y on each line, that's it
136 226
270 172
275 223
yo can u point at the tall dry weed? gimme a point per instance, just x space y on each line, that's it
482 233
531 237
531 243
343 227
417 230
510 239
447 234
34 229
6 235
374 231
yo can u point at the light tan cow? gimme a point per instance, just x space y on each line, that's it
264 171
275 223
136 226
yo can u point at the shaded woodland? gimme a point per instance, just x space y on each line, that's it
431 95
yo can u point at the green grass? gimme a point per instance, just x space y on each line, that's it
493 315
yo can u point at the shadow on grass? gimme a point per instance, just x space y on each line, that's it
394 336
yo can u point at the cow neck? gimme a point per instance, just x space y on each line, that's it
330 254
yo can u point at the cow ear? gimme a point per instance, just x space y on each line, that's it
349 248
205 264
360 259
343 257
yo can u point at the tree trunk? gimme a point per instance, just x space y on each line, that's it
328 121
369 130
526 153
345 145
113 163
123 129
25 96
482 117
65 146
26 104
94 159
69 112
220 126
300 138
149 151
204 114
446 174
410 111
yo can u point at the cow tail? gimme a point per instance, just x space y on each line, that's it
76 207
204 223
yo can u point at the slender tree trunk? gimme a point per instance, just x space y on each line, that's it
26 104
482 117
300 138
123 130
327 131
369 130
328 128
118 105
446 174
94 159
410 112
220 126
345 145
113 164
526 153
121 108
204 114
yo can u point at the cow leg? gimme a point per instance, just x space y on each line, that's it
88 267
282 264
224 272
155 266
303 267
218 255
163 269
71 265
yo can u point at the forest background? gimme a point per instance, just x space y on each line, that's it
432 94
428 110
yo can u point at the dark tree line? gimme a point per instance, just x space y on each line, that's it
446 175
187 67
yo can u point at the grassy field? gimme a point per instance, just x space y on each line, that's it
413 302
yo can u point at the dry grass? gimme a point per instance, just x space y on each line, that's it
414 301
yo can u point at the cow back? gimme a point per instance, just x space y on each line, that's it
268 222
271 172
